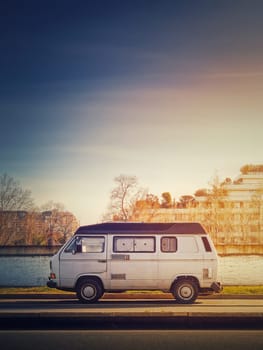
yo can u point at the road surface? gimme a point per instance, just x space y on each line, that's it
133 339
129 314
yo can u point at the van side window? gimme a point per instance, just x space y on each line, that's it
134 244
92 244
168 244
87 245
206 244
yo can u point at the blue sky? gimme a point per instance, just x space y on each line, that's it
169 91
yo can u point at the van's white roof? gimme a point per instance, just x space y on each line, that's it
130 227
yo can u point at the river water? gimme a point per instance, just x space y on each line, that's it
34 270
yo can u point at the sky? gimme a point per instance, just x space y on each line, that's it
168 91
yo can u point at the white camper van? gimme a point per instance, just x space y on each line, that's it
113 257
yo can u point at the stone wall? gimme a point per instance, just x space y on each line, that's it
28 250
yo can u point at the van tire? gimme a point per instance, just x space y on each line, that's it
89 291
185 291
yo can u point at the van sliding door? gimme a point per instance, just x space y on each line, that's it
133 262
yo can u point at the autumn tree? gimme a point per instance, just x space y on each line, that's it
201 192
59 223
146 208
150 201
166 200
186 201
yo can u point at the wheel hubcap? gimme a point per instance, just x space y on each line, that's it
186 292
88 292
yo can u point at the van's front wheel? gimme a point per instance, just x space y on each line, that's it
185 291
89 291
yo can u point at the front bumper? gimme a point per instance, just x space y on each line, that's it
216 287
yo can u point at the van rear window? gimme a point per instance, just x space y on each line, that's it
206 244
168 244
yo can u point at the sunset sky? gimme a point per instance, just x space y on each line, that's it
169 91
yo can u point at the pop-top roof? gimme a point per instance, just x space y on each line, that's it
128 227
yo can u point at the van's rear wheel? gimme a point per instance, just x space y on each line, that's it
89 291
185 291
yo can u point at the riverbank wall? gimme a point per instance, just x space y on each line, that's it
28 266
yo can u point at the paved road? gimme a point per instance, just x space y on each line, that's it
131 313
133 339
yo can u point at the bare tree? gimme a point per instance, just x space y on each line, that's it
256 216
51 205
14 202
13 196
21 223
123 198
219 214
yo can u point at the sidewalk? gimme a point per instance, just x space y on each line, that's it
125 296
115 312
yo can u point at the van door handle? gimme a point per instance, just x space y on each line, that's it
102 261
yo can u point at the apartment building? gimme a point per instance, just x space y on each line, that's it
234 218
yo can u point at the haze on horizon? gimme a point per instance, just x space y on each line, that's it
168 91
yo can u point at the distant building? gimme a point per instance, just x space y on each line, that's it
234 218
36 228
245 187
